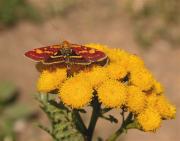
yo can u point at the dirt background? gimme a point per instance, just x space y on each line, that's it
95 22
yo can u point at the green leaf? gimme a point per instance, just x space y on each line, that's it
62 124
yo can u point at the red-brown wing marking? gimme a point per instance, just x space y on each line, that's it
43 53
90 54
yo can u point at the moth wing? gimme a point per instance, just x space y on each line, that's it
43 53
88 53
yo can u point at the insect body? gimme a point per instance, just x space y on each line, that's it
67 53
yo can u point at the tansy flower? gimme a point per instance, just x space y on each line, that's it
116 71
134 62
49 81
166 110
162 105
121 53
96 76
158 88
114 54
149 119
76 92
135 99
151 100
141 78
118 56
112 93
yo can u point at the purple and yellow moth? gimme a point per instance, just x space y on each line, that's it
67 53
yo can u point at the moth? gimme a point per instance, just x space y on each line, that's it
67 53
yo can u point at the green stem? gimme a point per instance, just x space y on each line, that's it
122 129
94 117
79 122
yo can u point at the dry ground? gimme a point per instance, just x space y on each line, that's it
86 26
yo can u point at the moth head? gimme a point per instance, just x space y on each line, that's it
65 48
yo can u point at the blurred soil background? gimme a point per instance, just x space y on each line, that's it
148 28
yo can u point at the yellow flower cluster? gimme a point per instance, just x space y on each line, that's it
123 82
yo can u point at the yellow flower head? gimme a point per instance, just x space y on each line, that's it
141 78
121 54
76 92
134 62
117 68
162 105
149 119
158 88
96 76
151 100
115 55
135 99
112 93
49 81
116 71
166 110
